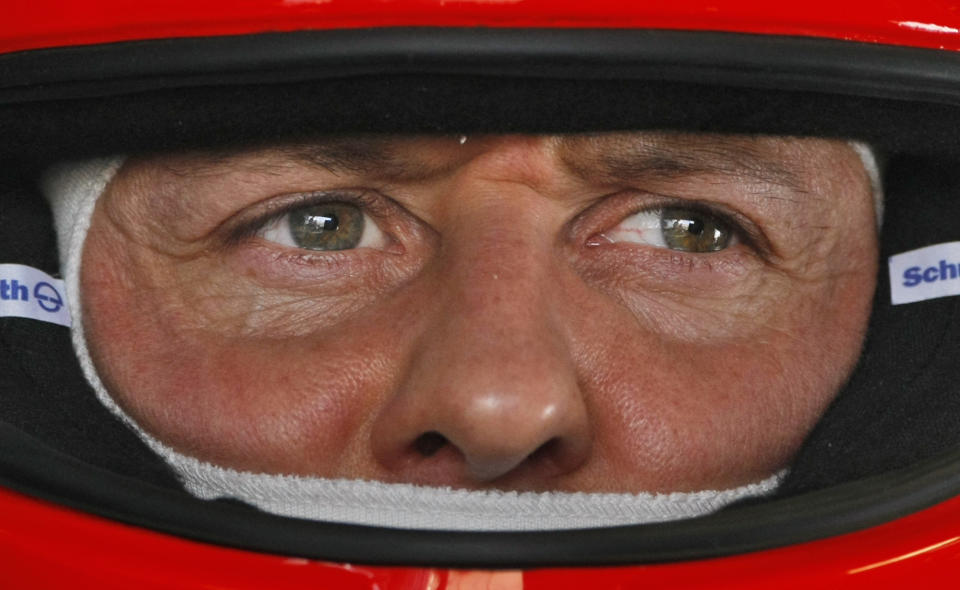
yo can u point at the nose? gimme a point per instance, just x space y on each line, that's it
491 391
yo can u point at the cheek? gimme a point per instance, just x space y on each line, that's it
686 418
730 399
721 402
297 403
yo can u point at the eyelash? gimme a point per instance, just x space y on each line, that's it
746 231
248 229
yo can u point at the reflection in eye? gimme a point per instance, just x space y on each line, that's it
676 228
325 227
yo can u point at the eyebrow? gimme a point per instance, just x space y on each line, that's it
627 158
602 158
358 155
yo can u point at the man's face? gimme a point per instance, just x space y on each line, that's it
615 312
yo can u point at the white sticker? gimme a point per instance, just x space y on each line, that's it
926 273
26 292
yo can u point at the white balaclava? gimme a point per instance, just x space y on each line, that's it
73 191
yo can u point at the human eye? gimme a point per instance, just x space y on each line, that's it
324 226
686 229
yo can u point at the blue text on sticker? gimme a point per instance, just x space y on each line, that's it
925 273
915 275
27 292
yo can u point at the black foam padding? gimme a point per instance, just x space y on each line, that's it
42 390
172 93
902 404
219 116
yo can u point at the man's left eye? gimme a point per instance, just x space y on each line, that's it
325 227
675 228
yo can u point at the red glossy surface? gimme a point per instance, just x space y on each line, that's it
29 24
47 546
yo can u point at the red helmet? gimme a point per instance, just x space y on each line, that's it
871 497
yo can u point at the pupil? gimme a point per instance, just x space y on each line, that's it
328 226
695 226
693 231
326 222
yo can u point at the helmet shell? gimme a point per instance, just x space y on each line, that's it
45 545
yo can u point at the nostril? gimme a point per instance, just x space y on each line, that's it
428 443
545 451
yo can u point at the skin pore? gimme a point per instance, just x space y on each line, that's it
615 312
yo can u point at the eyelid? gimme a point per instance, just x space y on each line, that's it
628 203
278 231
275 209
648 226
745 230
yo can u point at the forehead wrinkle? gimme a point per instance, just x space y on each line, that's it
337 156
637 157
381 158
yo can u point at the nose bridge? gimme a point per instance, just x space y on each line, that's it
492 375
496 279
497 329
502 295
498 257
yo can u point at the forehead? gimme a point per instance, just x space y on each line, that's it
597 157
773 178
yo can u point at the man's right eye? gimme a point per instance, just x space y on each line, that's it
328 226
